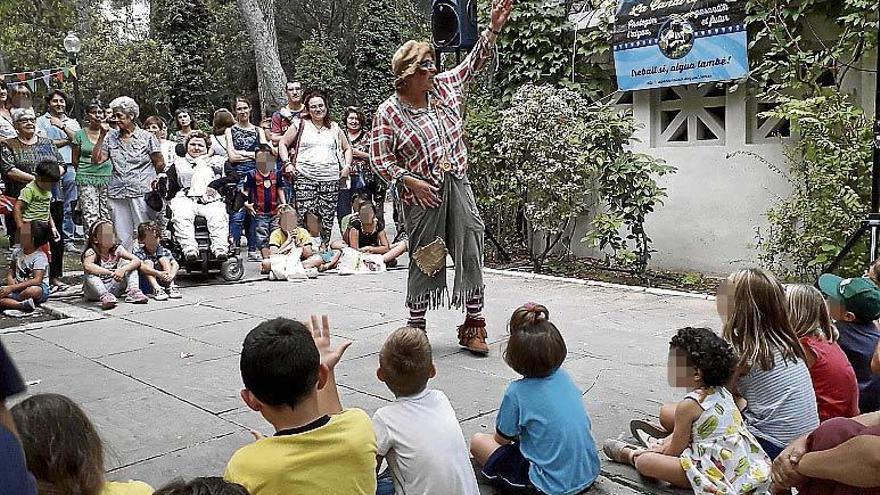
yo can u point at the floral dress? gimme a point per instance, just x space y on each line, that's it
723 458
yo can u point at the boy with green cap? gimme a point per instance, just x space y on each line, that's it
854 304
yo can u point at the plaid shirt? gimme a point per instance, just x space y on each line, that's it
407 140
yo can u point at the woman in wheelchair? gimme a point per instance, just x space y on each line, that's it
192 180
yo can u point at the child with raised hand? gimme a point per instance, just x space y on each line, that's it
419 434
709 447
834 381
854 305
109 268
209 485
539 444
318 447
158 266
771 374
27 280
63 449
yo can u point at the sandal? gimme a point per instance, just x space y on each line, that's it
616 451
646 432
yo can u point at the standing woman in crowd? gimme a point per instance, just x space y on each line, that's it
91 179
7 130
156 126
185 125
372 184
242 140
137 159
19 157
223 120
56 125
321 156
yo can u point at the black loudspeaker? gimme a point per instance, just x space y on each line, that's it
454 24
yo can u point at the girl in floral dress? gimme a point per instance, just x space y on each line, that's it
709 447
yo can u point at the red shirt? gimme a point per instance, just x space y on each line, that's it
834 380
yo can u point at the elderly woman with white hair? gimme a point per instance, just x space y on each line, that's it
418 146
137 161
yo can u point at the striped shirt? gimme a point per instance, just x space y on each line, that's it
426 142
262 190
781 402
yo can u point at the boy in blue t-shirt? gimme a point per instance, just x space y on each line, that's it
158 266
854 304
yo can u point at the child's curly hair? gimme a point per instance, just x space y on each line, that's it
707 352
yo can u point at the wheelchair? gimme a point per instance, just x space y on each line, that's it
231 269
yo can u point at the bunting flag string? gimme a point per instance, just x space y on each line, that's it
46 76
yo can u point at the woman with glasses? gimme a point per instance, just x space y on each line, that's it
417 145
318 155
242 140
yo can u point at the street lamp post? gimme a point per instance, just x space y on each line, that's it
72 46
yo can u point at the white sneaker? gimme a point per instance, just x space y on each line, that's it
160 295
312 272
174 292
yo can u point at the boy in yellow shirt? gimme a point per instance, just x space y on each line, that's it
287 369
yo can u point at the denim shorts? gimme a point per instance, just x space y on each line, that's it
43 297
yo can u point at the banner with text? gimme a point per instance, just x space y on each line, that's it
673 42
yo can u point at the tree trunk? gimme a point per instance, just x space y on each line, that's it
259 20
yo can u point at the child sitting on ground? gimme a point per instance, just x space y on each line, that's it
33 201
263 188
63 449
109 268
834 381
366 233
27 280
318 447
285 240
771 374
854 304
158 266
356 202
418 434
210 485
708 447
539 444
329 254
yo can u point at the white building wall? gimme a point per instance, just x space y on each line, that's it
715 201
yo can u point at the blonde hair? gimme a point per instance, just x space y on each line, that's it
406 360
808 313
757 320
405 61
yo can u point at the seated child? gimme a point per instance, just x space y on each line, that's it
63 449
329 254
109 268
33 200
834 381
264 191
709 447
366 233
202 486
356 201
158 266
287 370
284 240
27 280
854 304
419 434
538 443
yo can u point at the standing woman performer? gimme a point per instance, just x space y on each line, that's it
418 146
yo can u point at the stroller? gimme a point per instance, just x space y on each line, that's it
231 268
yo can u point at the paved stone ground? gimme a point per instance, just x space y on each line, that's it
163 415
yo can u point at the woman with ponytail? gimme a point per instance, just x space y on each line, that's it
542 437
